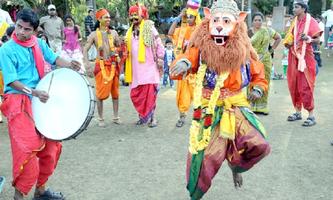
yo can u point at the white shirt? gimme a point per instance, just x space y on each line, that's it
169 55
5 17
328 14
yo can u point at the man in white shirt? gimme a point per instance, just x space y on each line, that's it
5 17
328 15
53 27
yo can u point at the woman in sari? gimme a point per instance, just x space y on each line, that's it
260 38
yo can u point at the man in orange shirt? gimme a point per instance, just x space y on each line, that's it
107 64
189 18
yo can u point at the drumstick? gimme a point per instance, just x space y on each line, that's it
48 91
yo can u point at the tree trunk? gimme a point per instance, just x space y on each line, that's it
323 5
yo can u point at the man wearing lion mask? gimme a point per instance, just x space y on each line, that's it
223 127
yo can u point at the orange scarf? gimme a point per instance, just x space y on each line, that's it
36 51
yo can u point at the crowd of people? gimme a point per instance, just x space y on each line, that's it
199 65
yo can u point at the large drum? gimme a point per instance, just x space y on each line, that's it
70 106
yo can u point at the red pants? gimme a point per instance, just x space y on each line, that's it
34 157
303 95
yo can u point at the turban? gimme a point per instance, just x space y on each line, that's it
141 10
100 13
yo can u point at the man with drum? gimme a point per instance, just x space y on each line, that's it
107 64
34 157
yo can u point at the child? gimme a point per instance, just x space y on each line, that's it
169 56
71 49
330 41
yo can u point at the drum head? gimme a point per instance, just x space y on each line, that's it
67 107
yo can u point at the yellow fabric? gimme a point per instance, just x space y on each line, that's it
289 38
142 51
228 121
3 28
101 60
194 12
1 84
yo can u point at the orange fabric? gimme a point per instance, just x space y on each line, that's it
34 158
100 13
1 84
234 82
185 89
103 88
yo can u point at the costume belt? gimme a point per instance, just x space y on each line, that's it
228 120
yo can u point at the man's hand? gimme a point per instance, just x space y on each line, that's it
75 65
160 62
180 68
254 95
89 69
305 37
42 95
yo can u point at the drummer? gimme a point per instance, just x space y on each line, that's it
34 157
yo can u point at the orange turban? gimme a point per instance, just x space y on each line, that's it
100 13
140 9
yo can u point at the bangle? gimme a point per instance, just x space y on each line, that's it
27 90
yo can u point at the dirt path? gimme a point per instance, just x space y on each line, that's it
129 163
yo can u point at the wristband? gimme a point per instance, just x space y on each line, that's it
27 90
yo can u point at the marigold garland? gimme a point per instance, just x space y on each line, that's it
101 61
196 143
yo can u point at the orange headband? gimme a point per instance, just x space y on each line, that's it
100 13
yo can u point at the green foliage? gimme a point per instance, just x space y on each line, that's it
79 11
266 7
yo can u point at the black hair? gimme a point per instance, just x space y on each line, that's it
168 40
90 10
41 34
76 29
27 15
258 14
303 5
10 30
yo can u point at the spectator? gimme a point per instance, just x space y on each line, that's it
53 27
5 17
89 22
328 15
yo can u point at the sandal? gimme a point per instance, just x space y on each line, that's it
152 123
294 117
139 122
181 121
101 123
116 120
50 195
310 121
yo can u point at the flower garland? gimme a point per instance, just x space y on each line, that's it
101 61
196 143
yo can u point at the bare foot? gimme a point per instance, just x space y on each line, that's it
238 179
